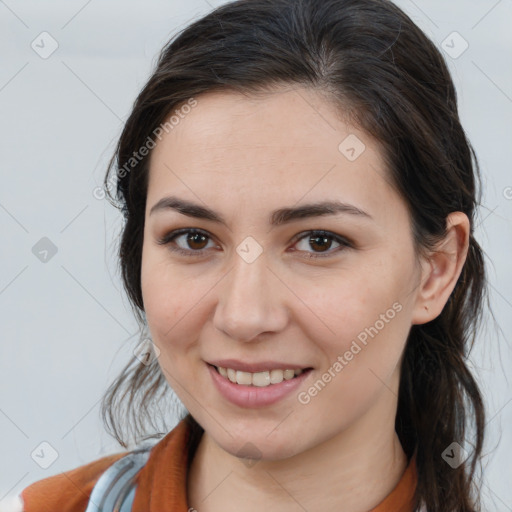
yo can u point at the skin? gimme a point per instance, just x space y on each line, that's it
243 157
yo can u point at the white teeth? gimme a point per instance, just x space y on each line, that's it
276 376
243 378
259 379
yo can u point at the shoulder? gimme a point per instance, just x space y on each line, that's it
162 462
68 491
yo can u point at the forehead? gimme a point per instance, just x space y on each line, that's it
284 118
273 148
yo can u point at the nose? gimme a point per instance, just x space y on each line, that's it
252 301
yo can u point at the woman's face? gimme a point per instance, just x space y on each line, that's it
260 288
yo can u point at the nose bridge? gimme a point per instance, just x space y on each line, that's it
250 298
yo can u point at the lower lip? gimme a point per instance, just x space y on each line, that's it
254 396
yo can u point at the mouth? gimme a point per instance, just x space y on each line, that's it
259 379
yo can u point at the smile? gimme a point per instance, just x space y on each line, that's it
261 392
258 379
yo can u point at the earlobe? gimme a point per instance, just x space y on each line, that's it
442 270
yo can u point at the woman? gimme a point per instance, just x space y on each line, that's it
317 334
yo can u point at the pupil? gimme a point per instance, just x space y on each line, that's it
193 238
323 240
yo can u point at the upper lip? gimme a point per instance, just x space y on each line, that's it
261 366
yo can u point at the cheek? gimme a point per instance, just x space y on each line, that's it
361 325
360 360
168 308
161 292
342 307
172 300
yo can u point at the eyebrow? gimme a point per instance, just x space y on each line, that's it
277 217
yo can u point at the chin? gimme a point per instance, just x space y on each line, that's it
254 445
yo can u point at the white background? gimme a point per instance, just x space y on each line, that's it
66 326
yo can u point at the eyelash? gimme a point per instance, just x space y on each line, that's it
170 237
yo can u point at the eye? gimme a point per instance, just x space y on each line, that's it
194 238
194 242
322 240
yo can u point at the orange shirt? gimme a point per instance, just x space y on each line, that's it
161 483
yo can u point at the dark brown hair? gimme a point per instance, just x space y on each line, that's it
384 74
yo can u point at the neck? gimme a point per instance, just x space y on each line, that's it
351 472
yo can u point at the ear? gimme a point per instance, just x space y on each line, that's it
442 269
